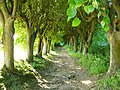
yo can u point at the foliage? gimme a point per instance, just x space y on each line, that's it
23 73
100 43
1 31
24 76
89 6
94 64
110 82
40 63
20 34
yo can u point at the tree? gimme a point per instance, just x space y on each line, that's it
85 19
104 18
31 13
114 37
8 16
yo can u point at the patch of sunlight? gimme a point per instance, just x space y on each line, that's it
67 82
78 68
86 82
47 58
45 86
53 52
19 53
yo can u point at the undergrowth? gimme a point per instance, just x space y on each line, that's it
25 75
95 64
110 83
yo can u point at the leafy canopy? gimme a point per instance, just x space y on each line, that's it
89 6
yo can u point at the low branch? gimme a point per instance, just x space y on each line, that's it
2 17
14 8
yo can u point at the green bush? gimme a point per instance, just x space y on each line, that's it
110 83
95 64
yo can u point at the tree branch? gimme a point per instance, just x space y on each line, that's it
2 18
14 8
4 9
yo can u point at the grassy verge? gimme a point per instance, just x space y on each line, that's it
25 76
97 65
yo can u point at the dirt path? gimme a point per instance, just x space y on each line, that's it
65 74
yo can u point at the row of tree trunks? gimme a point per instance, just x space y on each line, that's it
89 38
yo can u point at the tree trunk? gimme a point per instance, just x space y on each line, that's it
30 43
90 36
8 31
85 50
9 44
49 46
40 47
75 43
114 40
44 46
52 47
81 44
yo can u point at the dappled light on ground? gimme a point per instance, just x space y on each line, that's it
54 53
57 71
86 82
65 74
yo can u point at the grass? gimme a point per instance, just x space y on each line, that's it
110 83
25 76
94 64
98 65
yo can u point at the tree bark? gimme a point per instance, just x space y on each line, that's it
90 36
49 46
114 39
81 44
9 44
30 43
75 43
8 32
44 45
40 47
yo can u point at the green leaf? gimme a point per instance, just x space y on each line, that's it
71 2
68 19
102 23
89 9
79 2
106 20
98 0
99 14
95 4
107 12
76 22
71 11
106 27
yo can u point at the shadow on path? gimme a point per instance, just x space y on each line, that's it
65 74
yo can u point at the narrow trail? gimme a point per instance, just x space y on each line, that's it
65 74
